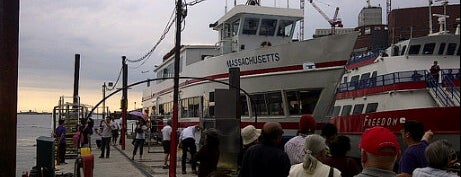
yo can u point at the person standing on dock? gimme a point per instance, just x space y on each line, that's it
379 151
166 133
295 146
105 132
115 129
61 139
187 143
140 137
266 158
417 140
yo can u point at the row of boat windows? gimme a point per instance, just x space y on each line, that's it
358 109
428 49
263 104
267 27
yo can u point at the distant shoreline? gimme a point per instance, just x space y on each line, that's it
33 113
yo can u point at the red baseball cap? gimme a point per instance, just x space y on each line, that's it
307 124
377 138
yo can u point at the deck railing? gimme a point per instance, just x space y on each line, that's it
448 80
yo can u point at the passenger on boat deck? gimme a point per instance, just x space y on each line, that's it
379 152
416 76
417 140
295 146
435 69
441 156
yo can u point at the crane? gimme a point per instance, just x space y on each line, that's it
335 21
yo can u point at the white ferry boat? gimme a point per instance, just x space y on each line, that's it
284 77
396 86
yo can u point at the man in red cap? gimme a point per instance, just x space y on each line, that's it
380 150
295 146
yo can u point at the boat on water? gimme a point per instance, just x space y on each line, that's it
394 86
284 77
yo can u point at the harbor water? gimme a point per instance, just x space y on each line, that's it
29 128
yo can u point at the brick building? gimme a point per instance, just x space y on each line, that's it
414 22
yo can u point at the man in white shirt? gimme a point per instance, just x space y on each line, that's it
166 133
187 143
105 132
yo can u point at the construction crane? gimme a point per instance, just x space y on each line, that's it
334 22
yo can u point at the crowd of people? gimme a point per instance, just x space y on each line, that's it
305 155
325 155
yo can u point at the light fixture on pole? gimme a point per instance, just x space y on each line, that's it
104 88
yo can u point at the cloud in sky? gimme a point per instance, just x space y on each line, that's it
52 32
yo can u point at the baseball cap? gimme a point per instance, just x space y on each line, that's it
375 139
307 124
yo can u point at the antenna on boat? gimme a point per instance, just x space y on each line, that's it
430 17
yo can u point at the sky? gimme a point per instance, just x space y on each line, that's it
51 33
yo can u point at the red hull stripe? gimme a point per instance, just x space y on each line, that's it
359 64
259 71
441 120
381 89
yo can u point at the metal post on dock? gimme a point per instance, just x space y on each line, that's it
9 32
173 143
76 80
124 100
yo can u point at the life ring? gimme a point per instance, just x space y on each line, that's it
265 43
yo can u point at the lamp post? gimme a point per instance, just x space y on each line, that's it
104 88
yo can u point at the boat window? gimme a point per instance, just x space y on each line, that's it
457 53
336 110
414 50
344 79
284 28
250 25
267 27
371 107
260 104
235 27
403 50
365 76
374 74
358 108
184 107
244 105
226 31
346 110
354 82
428 49
274 103
302 101
451 48
441 48
395 51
